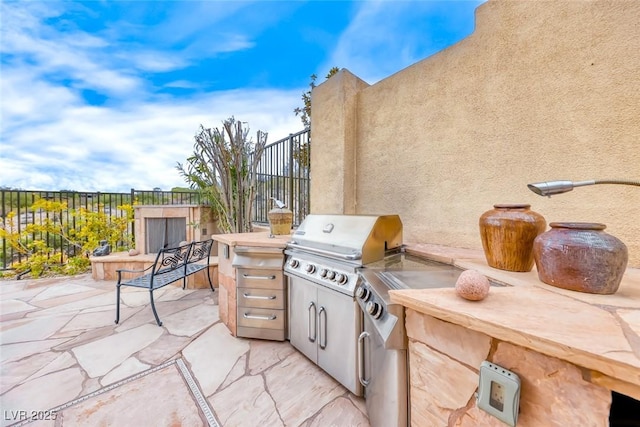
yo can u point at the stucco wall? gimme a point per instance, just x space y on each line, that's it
540 91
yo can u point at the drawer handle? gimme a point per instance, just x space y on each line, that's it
253 316
249 296
249 276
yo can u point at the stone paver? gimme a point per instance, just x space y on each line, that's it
12 352
128 368
45 392
101 356
192 320
60 349
246 403
158 399
37 329
14 373
300 399
15 306
213 355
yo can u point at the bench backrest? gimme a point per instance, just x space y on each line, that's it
200 250
170 259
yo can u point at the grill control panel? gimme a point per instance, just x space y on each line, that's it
369 302
331 276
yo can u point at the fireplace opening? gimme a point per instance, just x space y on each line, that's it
164 233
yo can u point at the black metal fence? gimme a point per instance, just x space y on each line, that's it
283 174
17 213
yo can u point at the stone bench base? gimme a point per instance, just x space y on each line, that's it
104 268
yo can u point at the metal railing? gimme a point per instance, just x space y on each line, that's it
283 173
20 202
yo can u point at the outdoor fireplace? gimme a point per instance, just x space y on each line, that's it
157 226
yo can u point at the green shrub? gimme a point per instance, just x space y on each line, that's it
42 242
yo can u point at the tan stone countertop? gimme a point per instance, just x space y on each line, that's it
259 239
597 332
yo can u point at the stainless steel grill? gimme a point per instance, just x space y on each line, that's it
322 267
383 367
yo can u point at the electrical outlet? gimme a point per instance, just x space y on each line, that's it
499 392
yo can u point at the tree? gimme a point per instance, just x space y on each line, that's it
223 166
305 111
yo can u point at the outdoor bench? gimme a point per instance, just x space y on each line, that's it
171 265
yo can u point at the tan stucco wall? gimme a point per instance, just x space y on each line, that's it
540 91
336 106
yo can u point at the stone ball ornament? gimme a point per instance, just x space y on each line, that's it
472 285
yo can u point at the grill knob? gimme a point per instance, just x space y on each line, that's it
323 272
363 293
294 263
310 268
331 275
374 309
341 278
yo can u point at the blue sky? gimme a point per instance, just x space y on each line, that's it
107 95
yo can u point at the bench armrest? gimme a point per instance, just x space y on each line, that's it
124 270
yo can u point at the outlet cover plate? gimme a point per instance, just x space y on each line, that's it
499 392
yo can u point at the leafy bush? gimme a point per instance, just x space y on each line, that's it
42 242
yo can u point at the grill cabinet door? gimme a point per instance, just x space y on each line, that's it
339 325
303 317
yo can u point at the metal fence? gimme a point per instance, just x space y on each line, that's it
19 203
283 174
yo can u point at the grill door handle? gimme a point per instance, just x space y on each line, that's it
249 296
250 276
312 316
253 316
361 355
322 329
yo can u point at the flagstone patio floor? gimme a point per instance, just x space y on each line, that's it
65 363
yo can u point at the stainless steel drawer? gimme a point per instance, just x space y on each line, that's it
261 333
261 298
261 318
259 278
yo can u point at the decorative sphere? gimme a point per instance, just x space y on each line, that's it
133 252
472 285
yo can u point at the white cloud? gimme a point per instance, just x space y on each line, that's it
134 146
366 49
53 140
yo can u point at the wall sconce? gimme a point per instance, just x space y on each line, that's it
550 188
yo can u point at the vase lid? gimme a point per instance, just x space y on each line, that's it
512 206
578 225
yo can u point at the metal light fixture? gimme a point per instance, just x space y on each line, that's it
550 188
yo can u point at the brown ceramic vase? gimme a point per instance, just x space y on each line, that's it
581 257
507 232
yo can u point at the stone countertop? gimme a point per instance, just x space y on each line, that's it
259 239
597 332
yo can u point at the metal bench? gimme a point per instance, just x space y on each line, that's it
171 265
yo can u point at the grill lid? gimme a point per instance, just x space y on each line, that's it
363 238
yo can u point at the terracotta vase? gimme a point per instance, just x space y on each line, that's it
581 257
507 232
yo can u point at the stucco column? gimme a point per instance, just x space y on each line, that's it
333 144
